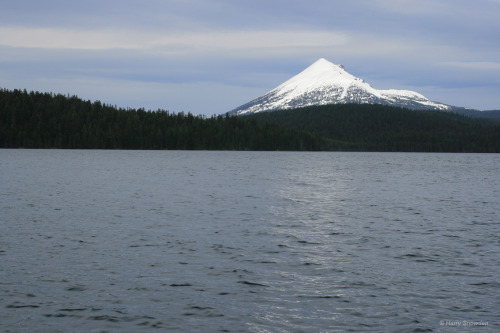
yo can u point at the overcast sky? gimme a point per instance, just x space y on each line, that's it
210 56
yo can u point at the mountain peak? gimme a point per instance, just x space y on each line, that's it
325 64
324 82
319 75
324 69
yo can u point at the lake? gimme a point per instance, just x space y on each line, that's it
213 241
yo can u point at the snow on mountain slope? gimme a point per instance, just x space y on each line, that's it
326 83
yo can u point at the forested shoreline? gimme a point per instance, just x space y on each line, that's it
374 127
46 120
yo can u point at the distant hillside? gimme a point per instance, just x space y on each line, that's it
490 114
366 127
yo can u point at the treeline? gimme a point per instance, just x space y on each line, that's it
367 127
43 120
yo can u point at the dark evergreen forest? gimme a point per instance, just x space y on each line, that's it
367 127
45 120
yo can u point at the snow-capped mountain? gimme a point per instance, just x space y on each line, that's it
326 83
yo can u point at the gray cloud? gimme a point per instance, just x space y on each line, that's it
201 50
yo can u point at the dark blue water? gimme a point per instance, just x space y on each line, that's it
177 241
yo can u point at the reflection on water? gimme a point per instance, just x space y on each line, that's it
247 241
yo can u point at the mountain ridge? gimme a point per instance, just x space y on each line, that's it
324 82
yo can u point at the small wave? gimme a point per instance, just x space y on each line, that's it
61 315
73 309
112 319
20 306
322 296
78 287
252 283
307 242
180 285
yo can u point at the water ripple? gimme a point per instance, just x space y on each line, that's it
248 242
